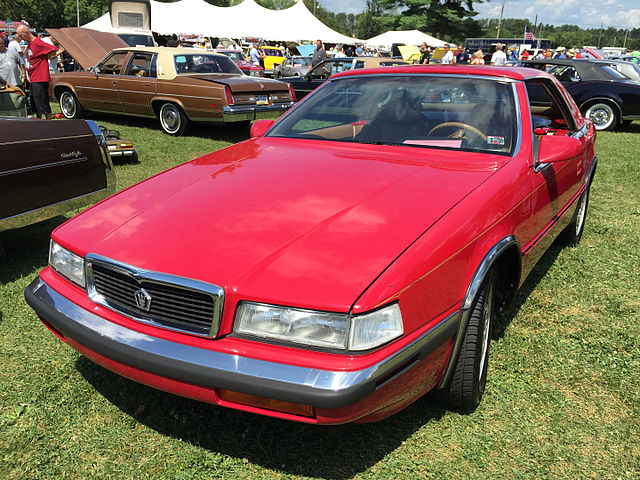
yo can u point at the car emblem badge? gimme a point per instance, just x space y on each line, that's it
261 87
143 299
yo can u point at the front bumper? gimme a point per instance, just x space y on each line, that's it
191 365
241 113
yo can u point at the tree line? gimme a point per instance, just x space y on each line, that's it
449 20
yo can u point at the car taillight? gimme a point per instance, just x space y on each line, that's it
292 93
227 93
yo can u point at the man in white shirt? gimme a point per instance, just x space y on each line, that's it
447 58
498 58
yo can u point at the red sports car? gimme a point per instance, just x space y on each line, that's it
341 263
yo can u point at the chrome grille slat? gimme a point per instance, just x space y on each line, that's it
176 303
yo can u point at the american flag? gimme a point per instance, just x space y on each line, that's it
527 34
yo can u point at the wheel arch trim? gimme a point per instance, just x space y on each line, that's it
592 100
483 269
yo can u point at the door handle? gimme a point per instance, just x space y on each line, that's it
114 82
147 84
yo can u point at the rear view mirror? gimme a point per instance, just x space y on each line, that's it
260 127
558 148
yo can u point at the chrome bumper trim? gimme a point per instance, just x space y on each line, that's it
319 388
253 112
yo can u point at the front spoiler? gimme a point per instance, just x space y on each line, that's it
318 388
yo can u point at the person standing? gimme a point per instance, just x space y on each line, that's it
478 58
15 46
9 65
319 54
254 55
38 54
498 58
462 57
425 54
447 58
340 53
173 41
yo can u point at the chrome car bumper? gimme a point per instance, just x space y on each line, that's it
252 112
184 363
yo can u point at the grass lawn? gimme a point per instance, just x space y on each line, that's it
562 399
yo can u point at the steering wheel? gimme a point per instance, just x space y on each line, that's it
459 130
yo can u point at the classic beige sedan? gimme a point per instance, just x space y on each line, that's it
176 85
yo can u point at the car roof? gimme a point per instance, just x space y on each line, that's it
515 73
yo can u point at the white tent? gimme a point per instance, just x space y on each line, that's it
408 37
247 19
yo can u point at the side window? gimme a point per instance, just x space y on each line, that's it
359 64
550 114
565 73
112 65
142 65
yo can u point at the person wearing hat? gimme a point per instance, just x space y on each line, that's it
560 53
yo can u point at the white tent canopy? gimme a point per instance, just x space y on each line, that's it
247 19
408 37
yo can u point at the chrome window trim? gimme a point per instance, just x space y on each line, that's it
139 275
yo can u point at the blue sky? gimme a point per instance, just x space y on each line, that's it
586 13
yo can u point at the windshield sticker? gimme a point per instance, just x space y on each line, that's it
495 140
181 59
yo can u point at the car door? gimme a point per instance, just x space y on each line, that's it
100 91
554 185
139 83
45 163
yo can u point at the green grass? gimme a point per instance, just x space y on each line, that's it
562 399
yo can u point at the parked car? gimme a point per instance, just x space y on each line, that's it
48 167
177 86
119 147
603 94
342 262
272 56
320 73
13 101
628 69
242 63
292 67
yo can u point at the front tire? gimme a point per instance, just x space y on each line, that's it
469 378
70 106
173 120
573 231
604 115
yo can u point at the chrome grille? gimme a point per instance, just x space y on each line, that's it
176 303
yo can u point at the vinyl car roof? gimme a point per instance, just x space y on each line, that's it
586 68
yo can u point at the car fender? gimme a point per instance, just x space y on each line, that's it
156 101
57 89
482 272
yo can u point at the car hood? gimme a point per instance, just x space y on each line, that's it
296 222
86 46
243 83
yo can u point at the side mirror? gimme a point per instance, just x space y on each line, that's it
558 148
260 127
95 71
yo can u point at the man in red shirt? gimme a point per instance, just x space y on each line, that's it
38 55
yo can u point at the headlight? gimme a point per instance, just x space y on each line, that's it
67 264
320 329
375 328
254 73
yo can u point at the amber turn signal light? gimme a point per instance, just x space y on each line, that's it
266 403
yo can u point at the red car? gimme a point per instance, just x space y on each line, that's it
341 263
240 60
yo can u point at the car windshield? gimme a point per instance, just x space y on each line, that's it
422 110
134 40
233 55
301 61
203 63
611 70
